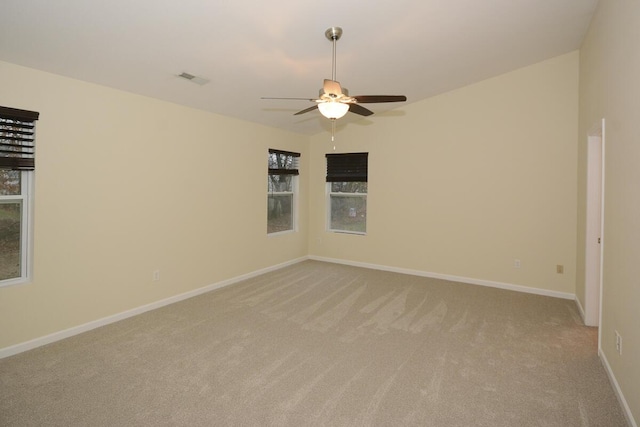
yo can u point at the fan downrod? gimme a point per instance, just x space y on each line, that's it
333 33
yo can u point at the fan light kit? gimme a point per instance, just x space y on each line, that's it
334 100
333 110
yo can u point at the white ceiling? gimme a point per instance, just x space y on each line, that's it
254 48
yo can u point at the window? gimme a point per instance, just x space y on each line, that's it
17 162
347 192
282 185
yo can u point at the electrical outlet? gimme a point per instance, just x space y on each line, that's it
516 263
560 269
618 343
156 275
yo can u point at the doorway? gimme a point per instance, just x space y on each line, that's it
594 225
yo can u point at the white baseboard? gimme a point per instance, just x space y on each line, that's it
616 388
60 335
581 310
481 282
57 336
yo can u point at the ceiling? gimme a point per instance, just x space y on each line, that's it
253 48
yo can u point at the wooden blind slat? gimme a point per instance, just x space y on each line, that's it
17 138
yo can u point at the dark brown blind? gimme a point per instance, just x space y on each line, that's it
17 138
283 162
347 167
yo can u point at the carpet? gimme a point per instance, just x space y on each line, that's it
320 344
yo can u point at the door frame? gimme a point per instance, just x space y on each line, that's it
594 234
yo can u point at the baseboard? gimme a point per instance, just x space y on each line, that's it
616 388
57 336
472 281
581 310
66 333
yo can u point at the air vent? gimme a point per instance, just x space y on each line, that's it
194 79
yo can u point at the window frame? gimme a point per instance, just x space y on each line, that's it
293 172
330 195
17 152
346 168
26 228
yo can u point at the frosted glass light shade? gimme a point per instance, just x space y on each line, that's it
333 110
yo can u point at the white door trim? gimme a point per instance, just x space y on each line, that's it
594 225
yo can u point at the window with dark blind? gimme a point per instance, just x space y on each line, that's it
17 138
282 182
17 162
347 186
347 167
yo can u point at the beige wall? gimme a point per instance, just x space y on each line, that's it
610 89
463 183
126 185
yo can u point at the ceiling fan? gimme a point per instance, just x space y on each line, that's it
334 100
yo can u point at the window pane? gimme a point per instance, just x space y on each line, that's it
280 183
349 187
9 182
279 212
349 213
10 215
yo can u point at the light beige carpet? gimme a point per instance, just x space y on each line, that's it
318 344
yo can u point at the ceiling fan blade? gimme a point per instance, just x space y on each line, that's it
359 109
306 110
300 99
332 87
379 98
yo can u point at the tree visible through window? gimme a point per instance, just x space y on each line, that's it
10 223
348 202
281 191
